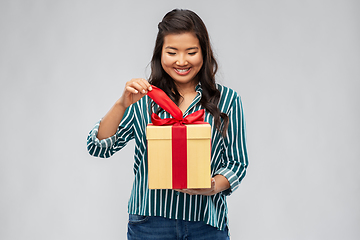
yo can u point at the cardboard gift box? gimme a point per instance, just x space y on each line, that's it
179 149
174 166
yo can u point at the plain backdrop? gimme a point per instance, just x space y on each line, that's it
296 65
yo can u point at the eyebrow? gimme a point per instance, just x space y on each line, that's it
191 48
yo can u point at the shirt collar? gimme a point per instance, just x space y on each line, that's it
198 88
196 100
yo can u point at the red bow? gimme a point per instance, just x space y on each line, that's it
169 106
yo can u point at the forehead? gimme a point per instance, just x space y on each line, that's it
181 40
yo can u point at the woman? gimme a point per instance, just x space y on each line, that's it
184 67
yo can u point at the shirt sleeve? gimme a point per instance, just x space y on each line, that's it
107 147
235 159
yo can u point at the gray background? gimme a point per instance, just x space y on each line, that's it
295 64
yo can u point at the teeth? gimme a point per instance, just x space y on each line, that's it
182 70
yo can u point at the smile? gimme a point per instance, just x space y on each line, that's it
183 71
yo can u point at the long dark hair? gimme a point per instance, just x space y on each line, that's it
181 21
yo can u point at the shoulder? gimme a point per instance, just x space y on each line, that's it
227 97
226 92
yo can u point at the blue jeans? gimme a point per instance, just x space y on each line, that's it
160 228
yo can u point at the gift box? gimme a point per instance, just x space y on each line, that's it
171 165
179 149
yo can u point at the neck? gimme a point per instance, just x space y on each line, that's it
186 88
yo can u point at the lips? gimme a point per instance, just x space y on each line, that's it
182 71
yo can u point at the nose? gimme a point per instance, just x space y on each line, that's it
181 61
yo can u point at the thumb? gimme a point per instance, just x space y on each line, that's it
213 183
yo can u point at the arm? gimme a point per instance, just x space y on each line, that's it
235 159
133 92
114 131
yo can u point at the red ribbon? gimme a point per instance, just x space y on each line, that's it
179 139
169 106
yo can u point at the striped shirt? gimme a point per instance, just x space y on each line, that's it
228 158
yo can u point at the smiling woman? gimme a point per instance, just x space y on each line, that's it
182 58
183 66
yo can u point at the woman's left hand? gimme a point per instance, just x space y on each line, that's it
200 191
218 184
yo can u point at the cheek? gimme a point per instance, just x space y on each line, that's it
165 61
199 62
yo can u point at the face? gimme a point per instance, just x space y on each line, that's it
181 57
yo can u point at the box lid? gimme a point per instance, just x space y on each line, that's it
193 131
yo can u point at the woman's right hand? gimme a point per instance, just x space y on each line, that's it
134 90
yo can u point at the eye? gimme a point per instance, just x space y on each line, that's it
192 53
171 53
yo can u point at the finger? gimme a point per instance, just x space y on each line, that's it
131 90
212 183
137 85
129 86
182 191
142 83
145 84
185 190
188 191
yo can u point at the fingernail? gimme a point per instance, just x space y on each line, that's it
150 88
136 91
143 91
